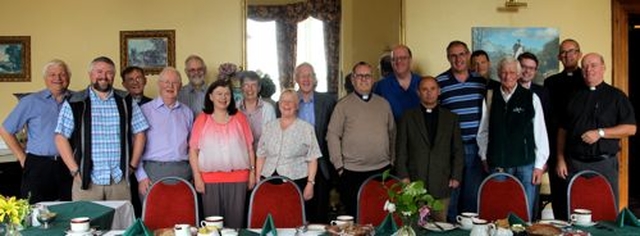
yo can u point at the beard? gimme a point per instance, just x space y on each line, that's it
197 80
102 88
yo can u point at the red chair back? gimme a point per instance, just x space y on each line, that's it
591 190
170 201
501 194
371 198
280 197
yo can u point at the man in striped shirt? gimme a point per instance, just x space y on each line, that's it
462 93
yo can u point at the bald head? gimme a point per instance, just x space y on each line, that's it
593 69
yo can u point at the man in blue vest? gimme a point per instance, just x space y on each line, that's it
513 136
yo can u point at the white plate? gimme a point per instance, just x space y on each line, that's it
585 225
556 223
75 233
445 226
316 227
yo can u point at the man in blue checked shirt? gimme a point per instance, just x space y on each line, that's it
44 175
100 137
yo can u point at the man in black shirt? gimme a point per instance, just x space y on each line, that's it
597 117
560 88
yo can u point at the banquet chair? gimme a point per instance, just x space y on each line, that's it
280 197
371 198
170 201
591 190
501 194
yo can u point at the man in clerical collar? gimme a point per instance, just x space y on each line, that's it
429 146
596 118
133 80
561 88
193 93
361 136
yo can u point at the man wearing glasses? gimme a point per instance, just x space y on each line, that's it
399 88
361 136
133 80
462 93
561 88
192 94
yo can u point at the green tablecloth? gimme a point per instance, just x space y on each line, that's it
101 217
601 229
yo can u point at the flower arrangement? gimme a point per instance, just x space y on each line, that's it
227 71
268 88
410 201
13 211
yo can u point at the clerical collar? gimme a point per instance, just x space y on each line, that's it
365 97
429 110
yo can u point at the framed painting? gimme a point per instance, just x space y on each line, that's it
500 42
15 58
151 50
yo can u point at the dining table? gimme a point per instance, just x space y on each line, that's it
105 216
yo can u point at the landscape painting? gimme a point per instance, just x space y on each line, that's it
500 42
15 58
151 50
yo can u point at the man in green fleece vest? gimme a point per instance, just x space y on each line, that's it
513 136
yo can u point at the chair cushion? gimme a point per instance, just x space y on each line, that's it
281 200
593 193
500 196
371 201
168 204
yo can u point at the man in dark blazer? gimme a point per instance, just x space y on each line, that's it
316 108
429 146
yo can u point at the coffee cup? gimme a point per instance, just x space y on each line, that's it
80 224
182 230
343 220
213 221
465 219
581 216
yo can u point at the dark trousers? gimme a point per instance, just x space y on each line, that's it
45 179
135 196
350 182
558 193
318 206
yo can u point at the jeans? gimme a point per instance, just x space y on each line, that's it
465 197
525 175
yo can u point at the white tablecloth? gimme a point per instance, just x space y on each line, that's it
122 218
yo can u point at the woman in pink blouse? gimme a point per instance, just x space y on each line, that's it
288 147
221 155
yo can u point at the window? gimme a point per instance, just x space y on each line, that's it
262 52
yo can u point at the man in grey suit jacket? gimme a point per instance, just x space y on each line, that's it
429 146
316 108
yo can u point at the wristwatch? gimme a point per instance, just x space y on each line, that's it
74 172
601 132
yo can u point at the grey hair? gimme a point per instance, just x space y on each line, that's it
166 70
292 92
194 57
56 62
509 60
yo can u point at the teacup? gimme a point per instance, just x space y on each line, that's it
213 221
482 228
343 220
80 224
182 230
465 219
581 216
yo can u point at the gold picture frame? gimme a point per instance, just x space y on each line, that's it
15 58
152 50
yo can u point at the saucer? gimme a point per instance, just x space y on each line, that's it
556 223
585 225
91 231
443 226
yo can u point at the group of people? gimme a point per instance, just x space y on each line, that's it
449 131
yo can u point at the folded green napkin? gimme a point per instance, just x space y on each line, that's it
626 217
269 228
138 228
514 219
388 226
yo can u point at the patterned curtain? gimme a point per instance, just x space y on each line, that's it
287 18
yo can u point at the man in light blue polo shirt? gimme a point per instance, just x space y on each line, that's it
100 136
45 177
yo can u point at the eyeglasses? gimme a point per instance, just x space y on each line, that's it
363 76
171 84
570 51
135 79
196 70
